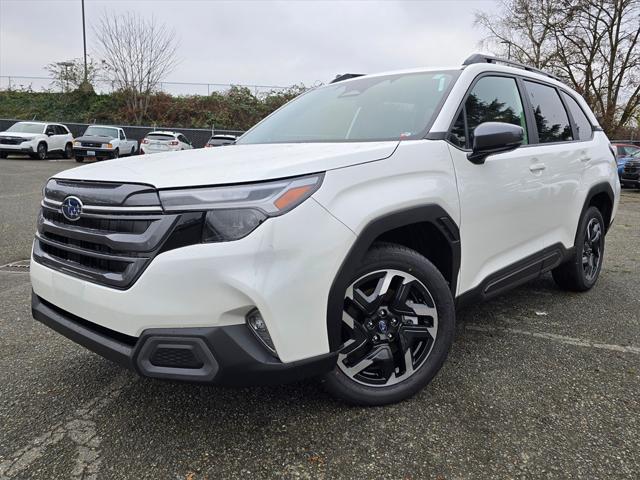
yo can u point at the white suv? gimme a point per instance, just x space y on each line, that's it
161 141
36 139
337 237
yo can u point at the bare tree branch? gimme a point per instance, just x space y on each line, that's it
138 53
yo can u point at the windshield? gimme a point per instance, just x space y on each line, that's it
26 128
102 132
389 107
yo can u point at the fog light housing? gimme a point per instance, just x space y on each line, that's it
256 324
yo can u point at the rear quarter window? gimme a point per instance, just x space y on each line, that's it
585 129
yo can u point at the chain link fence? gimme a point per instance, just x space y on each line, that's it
198 136
37 84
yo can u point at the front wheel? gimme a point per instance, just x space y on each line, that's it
397 327
41 152
581 272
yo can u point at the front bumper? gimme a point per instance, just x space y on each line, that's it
284 268
16 149
228 355
632 180
99 152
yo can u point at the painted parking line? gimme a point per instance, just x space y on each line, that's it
578 342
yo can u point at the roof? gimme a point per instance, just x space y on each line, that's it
164 132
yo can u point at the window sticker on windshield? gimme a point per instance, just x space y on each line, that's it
442 79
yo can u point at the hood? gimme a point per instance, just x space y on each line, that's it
95 139
231 164
19 134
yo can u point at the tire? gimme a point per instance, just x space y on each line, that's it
4 154
133 151
116 153
41 152
79 160
67 153
581 272
389 352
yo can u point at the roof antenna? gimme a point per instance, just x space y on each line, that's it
34 117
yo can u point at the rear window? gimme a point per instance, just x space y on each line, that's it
551 117
160 136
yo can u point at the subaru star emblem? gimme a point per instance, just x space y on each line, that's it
382 326
72 208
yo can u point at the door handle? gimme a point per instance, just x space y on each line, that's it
585 158
537 167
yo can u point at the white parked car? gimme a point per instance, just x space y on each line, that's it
36 139
102 142
164 141
337 237
220 140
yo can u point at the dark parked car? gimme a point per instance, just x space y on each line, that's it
221 140
630 176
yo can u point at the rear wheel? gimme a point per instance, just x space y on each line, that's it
133 151
581 272
397 327
68 151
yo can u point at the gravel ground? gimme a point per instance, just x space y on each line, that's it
539 384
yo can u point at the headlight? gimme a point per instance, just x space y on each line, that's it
77 144
107 145
234 212
27 139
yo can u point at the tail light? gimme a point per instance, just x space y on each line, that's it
207 145
174 142
145 141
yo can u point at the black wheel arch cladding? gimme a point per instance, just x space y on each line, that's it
432 214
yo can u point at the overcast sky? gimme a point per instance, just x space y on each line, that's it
255 42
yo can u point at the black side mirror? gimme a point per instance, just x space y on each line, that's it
49 133
490 138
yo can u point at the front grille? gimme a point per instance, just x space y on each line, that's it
116 238
11 141
91 144
632 167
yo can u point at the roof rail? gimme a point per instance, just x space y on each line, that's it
346 76
480 58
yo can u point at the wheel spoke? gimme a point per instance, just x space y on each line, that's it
423 310
370 303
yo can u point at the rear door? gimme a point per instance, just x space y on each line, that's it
563 158
502 209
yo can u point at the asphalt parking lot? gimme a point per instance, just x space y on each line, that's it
539 384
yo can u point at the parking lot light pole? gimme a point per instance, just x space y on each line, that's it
84 42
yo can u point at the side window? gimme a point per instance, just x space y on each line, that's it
122 137
585 129
60 130
551 118
492 99
50 130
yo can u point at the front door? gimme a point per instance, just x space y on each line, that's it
502 204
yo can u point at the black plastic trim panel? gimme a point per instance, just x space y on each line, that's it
516 274
228 355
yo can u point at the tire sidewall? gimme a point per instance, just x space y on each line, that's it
40 155
409 261
591 213
68 151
